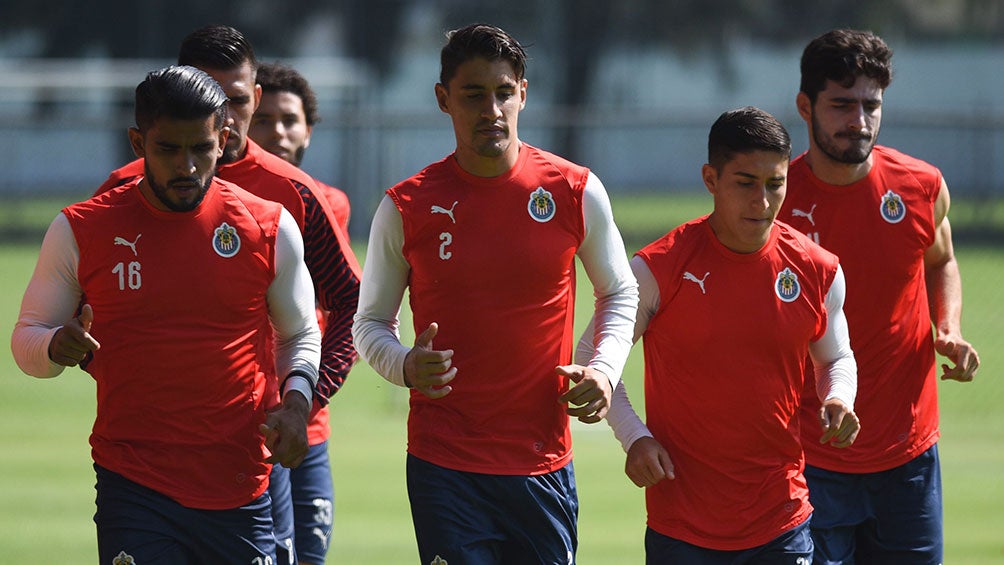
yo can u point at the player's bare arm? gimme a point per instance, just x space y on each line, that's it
426 370
72 343
285 430
589 398
840 424
648 462
944 293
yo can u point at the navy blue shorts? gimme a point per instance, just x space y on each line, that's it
889 517
282 515
477 519
793 547
313 504
137 522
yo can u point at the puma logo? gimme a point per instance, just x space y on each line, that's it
129 244
796 213
441 210
688 276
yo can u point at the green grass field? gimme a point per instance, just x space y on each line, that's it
46 481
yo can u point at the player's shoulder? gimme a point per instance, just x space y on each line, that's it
890 158
122 176
794 239
279 168
250 201
676 240
575 173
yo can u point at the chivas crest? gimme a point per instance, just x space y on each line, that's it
226 242
541 205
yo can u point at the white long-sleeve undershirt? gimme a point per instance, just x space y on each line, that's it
385 277
831 354
54 293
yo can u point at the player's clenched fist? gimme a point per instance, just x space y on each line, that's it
426 370
72 342
648 462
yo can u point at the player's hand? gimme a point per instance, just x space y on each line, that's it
285 430
648 462
962 354
590 395
72 343
426 370
840 424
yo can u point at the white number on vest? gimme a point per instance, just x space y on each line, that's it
129 275
447 238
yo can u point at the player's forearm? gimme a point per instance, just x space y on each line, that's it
338 353
836 371
385 278
290 300
623 420
50 300
944 295
614 286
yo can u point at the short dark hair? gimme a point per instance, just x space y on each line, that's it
276 77
180 93
217 47
479 40
842 55
744 130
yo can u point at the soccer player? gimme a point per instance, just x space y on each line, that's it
730 305
284 122
228 57
485 241
282 125
885 214
166 290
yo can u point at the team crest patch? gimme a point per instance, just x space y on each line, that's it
226 242
786 286
123 558
892 208
438 561
541 205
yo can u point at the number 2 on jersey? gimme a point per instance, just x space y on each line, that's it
447 238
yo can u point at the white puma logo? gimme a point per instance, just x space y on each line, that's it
441 210
796 213
688 276
130 245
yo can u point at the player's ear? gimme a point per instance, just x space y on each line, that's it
136 142
442 97
710 176
306 140
804 106
224 134
257 97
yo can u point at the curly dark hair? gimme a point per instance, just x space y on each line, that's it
842 55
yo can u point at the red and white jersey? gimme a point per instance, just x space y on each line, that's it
492 261
724 371
329 257
185 370
880 227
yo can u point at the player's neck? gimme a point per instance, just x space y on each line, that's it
488 167
833 172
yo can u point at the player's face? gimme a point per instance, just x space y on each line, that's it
484 99
844 122
748 192
280 126
180 159
244 95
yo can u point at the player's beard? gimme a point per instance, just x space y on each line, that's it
232 151
857 152
163 193
298 155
